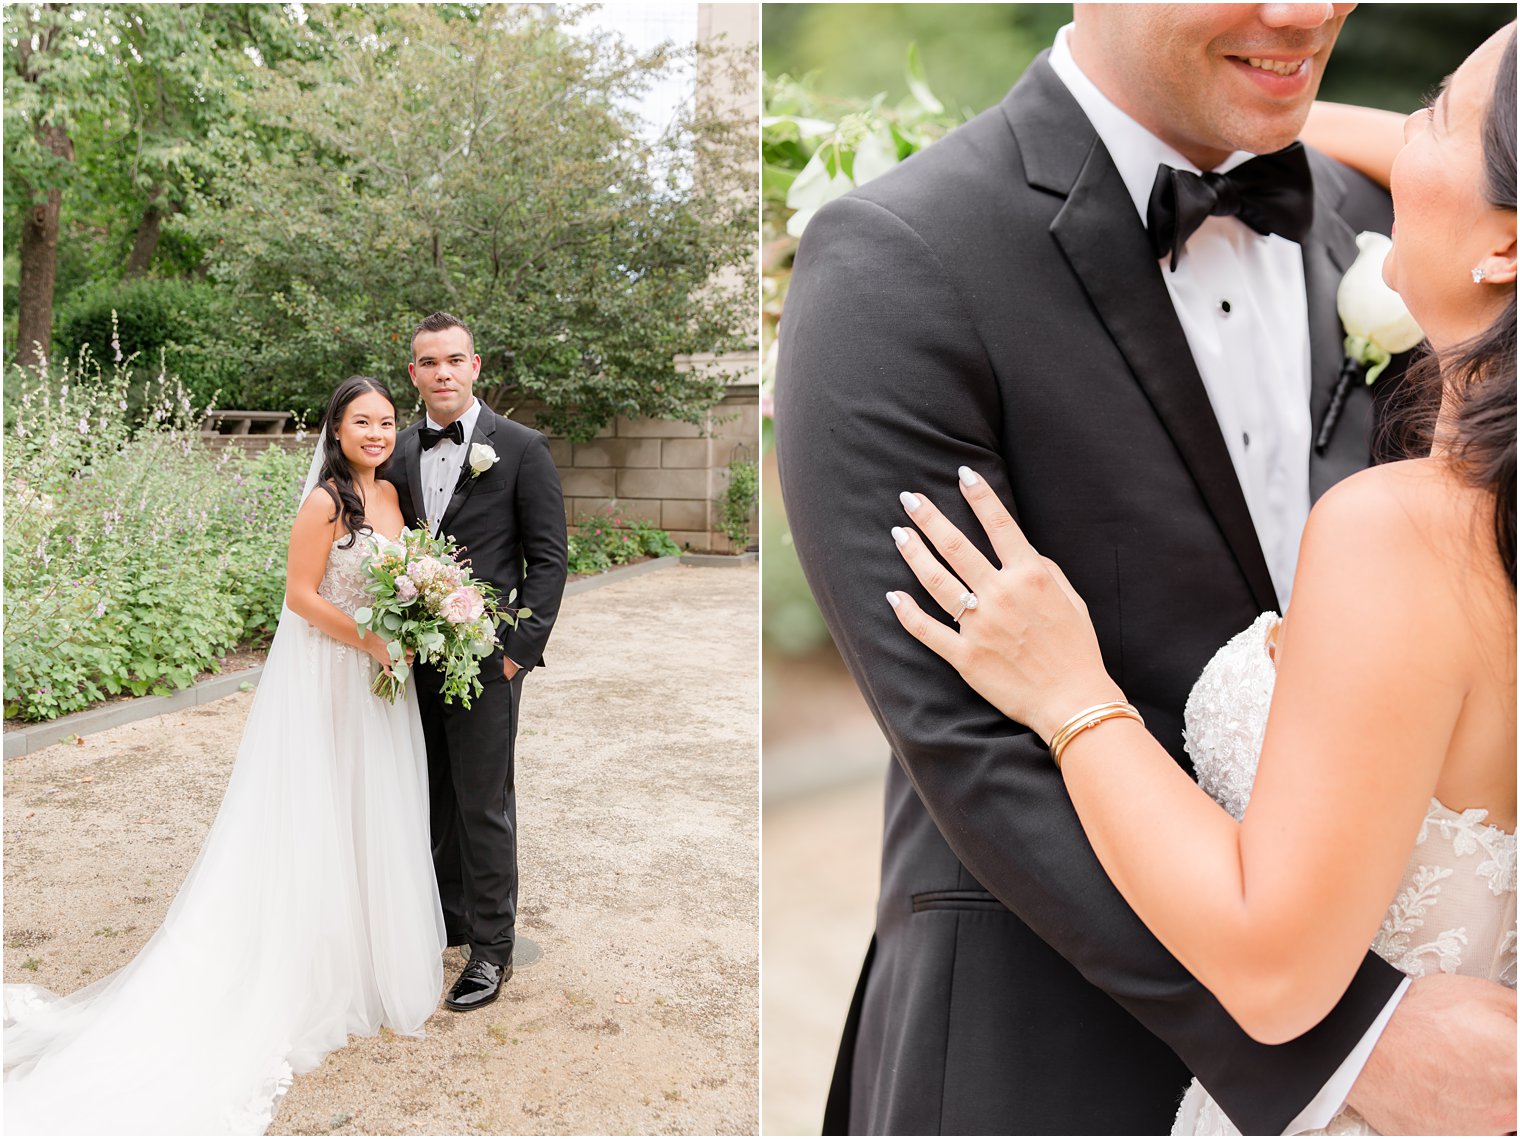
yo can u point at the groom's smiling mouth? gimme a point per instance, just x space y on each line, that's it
1280 75
1279 66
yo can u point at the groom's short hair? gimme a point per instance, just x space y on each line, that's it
437 323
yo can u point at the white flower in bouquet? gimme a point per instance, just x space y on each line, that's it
463 606
1378 326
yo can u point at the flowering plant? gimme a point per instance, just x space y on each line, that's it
427 600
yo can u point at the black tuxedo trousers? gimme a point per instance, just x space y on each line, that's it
472 805
993 302
510 519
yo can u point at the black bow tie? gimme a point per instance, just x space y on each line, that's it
1273 193
432 436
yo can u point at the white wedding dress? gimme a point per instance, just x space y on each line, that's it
311 912
1455 907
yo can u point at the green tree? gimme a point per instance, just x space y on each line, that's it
46 86
485 162
118 117
177 71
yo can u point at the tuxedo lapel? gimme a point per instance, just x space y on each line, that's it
411 463
1328 254
485 430
1106 246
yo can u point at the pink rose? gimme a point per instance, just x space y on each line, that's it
462 606
406 590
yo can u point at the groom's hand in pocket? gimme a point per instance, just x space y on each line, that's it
509 667
1445 1065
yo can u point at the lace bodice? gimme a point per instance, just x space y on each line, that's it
1455 907
345 583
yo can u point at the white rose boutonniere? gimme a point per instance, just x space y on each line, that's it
1378 326
482 459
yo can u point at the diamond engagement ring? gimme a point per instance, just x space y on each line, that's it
968 602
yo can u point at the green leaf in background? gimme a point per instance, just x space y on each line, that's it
918 83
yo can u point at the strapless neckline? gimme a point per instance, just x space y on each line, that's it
1270 625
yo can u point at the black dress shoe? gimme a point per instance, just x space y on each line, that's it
478 985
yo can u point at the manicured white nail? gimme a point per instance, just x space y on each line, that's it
900 535
968 476
909 501
892 600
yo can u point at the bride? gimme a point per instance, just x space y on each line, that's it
1387 764
312 910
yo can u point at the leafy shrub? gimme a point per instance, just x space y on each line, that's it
607 539
134 557
587 556
148 318
738 501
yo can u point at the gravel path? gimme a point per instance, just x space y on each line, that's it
638 807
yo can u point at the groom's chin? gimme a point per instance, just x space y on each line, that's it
1263 132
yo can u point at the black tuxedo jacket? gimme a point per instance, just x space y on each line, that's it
994 302
510 519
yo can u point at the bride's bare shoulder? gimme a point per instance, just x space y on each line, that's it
387 492
1410 524
1401 498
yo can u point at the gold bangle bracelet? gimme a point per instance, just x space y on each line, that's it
1090 718
1062 734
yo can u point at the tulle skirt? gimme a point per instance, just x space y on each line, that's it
310 913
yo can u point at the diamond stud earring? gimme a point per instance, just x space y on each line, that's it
1478 274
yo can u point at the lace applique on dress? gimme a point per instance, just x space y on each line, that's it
345 583
1226 716
1454 911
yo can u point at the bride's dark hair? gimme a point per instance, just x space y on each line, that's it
335 477
1480 371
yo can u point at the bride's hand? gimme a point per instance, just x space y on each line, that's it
379 648
1026 643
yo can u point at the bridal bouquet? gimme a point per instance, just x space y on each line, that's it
427 600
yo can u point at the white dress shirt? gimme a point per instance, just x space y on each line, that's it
1240 299
441 465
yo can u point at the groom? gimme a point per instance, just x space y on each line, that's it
489 484
1148 399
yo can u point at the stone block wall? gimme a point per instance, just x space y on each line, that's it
666 473
289 441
